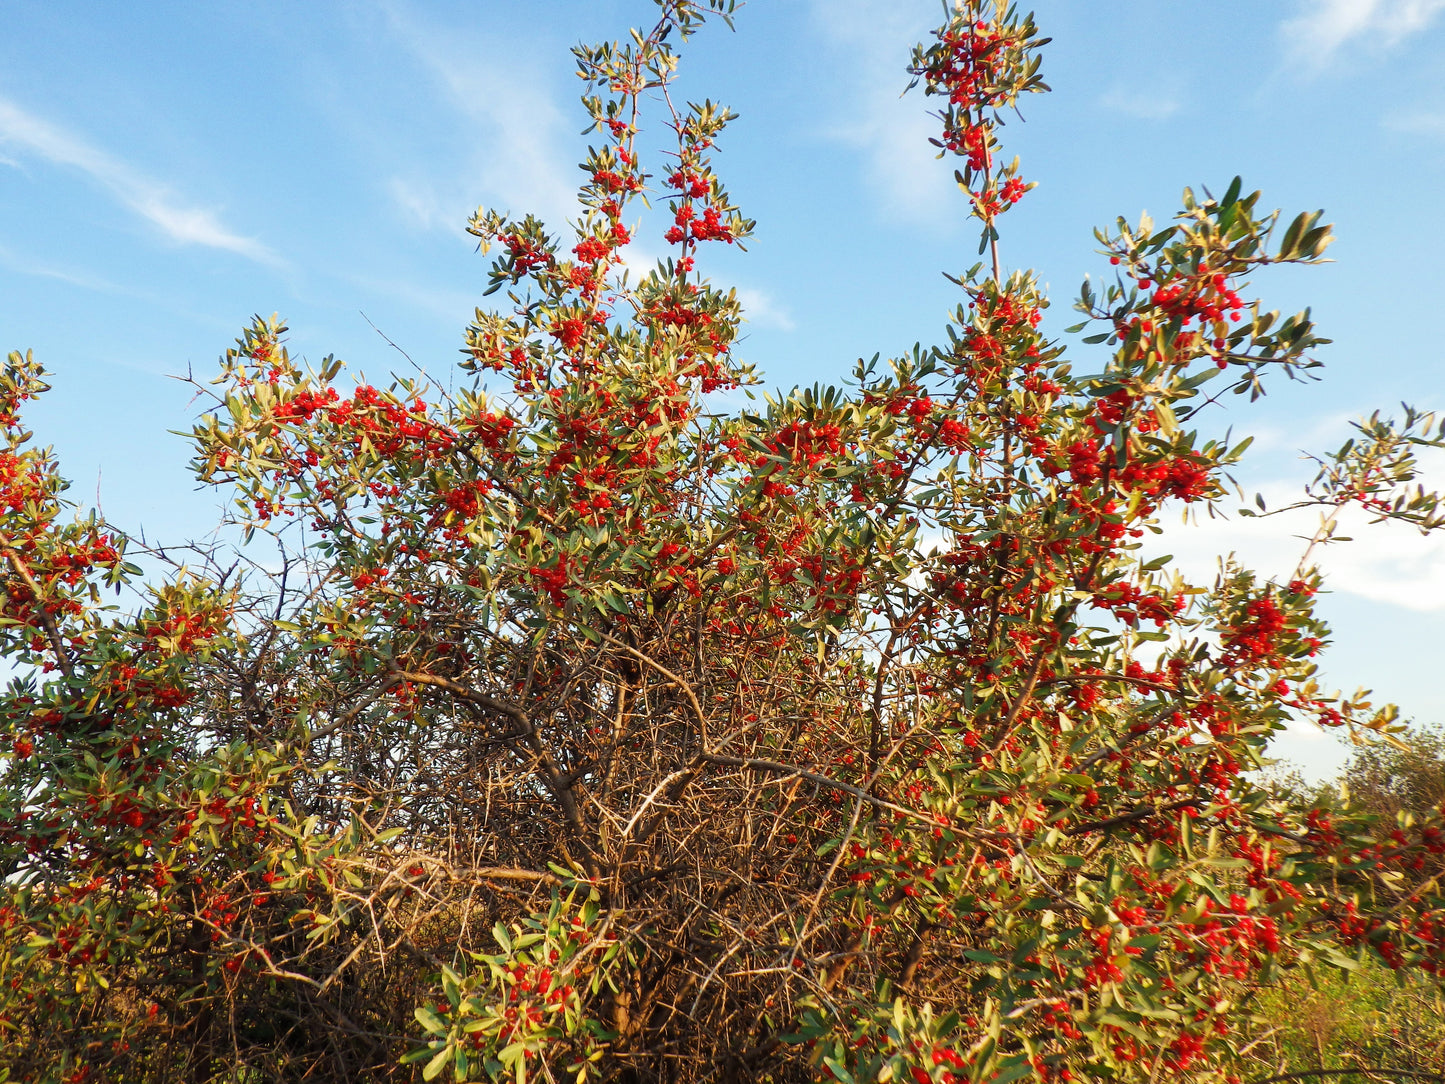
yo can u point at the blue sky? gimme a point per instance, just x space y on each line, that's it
167 169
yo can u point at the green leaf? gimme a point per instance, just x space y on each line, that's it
437 1064
512 1057
415 1055
1124 1024
451 985
1014 1071
982 957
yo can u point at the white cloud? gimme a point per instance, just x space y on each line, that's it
1143 106
762 309
1429 124
424 208
1384 562
26 133
24 266
1324 26
519 165
892 131
639 257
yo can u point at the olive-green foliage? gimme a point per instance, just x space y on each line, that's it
1389 780
1372 1017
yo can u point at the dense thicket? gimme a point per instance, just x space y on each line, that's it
588 728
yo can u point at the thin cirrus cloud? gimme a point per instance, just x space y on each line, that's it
1140 106
1323 27
1426 124
16 262
27 135
521 164
892 132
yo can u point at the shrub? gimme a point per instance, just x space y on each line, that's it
583 727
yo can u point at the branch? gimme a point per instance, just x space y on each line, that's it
47 620
827 781
1137 815
553 776
1407 1074
340 721
665 672
481 700
1025 695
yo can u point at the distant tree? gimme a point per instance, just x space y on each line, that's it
1366 1020
587 727
1389 779
1369 1016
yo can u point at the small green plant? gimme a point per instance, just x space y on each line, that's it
506 1012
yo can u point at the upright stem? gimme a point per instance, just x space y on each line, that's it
987 185
988 223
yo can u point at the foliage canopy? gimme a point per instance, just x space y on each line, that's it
587 726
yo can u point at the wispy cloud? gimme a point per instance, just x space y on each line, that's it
24 266
1428 124
764 310
425 208
446 302
1143 106
1383 562
891 131
520 164
1323 27
26 134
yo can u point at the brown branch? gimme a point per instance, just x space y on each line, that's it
1025 695
47 620
824 780
1137 815
551 774
1406 1074
389 682
481 700
1133 736
681 683
1123 679
501 873
915 953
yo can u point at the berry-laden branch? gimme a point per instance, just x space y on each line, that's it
588 727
